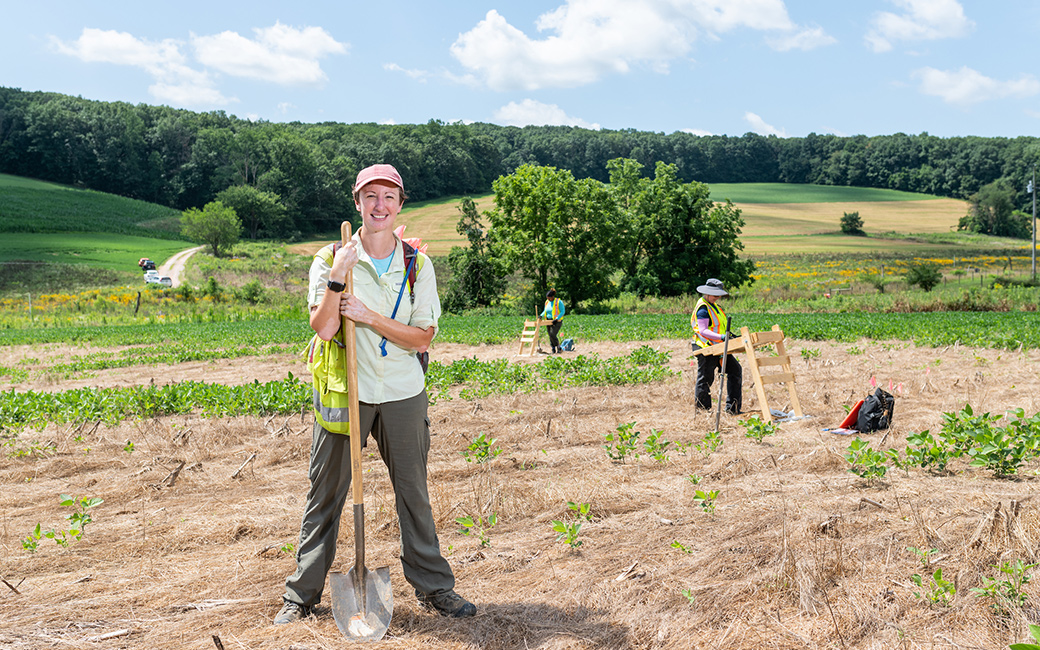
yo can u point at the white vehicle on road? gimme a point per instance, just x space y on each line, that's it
153 277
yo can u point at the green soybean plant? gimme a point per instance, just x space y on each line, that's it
1005 450
1006 593
78 521
481 450
583 510
478 527
712 441
865 462
706 499
622 442
939 591
928 452
656 446
567 532
757 429
679 545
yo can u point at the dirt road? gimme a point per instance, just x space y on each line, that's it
174 267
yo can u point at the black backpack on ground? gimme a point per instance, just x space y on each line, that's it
876 412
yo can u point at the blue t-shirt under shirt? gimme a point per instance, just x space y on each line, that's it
382 265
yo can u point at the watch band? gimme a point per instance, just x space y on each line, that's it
338 287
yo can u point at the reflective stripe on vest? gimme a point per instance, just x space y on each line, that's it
718 322
334 417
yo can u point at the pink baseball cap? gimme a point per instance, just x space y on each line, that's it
378 173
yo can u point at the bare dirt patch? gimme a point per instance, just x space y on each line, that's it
799 553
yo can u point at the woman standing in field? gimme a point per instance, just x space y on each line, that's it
710 326
391 394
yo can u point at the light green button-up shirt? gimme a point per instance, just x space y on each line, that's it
398 375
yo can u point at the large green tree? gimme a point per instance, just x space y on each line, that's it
261 213
991 211
557 231
676 236
215 225
477 278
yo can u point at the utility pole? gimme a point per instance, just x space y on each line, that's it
1032 186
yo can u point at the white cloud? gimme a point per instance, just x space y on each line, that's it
758 125
701 132
175 81
282 54
187 94
418 75
535 113
121 48
586 40
806 39
967 86
922 20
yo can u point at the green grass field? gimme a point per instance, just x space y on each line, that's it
792 193
31 206
103 250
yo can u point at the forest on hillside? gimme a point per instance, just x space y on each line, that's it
183 159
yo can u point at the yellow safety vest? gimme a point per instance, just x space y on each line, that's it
327 363
553 307
718 318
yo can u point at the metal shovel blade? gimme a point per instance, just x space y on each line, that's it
368 620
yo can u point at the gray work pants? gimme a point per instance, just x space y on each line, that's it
402 432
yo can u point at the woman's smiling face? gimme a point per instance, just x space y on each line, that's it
379 203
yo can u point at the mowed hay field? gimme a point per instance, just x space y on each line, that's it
798 553
816 227
776 227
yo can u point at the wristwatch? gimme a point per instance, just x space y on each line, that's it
338 287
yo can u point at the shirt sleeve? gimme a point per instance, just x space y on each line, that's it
319 276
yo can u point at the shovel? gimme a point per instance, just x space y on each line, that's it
362 600
722 378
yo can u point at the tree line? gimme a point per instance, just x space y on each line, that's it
184 159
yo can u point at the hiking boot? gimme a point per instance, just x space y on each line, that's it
447 603
291 612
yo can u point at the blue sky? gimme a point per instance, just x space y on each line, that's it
874 67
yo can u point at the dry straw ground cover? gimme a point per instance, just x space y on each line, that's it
798 552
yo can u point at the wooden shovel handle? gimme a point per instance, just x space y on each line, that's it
350 348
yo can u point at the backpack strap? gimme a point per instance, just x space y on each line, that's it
413 269
328 252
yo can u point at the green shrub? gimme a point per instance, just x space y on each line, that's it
926 276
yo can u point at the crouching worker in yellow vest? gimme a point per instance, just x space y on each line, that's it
391 395
709 325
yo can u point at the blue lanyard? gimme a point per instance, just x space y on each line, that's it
407 272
